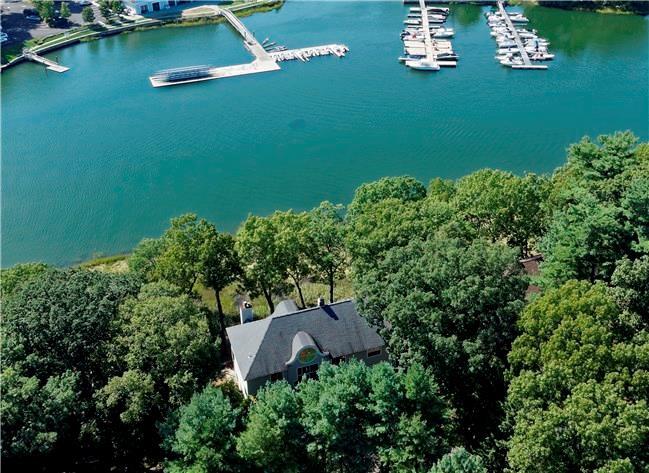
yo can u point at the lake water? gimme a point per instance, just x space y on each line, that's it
95 159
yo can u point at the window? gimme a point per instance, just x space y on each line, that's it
372 353
277 376
309 371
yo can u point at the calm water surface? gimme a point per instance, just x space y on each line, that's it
95 159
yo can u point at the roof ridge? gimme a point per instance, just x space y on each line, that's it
307 309
271 319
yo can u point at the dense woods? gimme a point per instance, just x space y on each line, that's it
106 369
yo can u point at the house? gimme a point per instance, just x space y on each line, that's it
291 343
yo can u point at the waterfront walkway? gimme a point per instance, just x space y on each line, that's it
48 63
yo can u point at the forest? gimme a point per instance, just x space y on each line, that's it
490 369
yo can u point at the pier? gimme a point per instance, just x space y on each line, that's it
304 54
428 41
527 64
48 63
264 61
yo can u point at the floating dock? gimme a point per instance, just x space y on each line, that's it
304 54
264 61
527 64
48 63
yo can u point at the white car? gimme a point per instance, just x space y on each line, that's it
3 37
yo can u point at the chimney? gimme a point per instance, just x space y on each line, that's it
321 301
245 312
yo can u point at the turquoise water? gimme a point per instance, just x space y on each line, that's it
95 159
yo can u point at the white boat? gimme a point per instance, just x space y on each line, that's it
423 65
443 10
512 62
541 56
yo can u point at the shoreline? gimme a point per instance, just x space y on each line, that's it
88 33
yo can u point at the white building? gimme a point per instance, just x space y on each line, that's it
143 7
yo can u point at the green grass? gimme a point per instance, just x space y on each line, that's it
9 53
311 291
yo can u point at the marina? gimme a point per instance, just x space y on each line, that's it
425 41
267 55
517 47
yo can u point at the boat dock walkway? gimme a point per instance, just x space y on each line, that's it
527 64
428 41
264 61
48 63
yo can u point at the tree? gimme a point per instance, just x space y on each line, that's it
630 283
166 353
57 332
185 248
117 6
45 9
452 306
143 259
411 425
293 245
327 254
65 11
36 416
264 272
12 278
335 416
503 206
362 419
105 9
273 439
459 461
165 334
584 241
204 440
577 400
220 269
88 15
404 189
598 205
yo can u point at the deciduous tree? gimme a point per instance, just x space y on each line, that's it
327 254
452 306
88 15
264 272
578 397
205 438
273 439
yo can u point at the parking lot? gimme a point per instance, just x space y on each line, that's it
20 29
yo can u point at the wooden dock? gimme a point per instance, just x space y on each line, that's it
48 63
527 63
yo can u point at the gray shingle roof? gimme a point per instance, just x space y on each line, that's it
262 347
